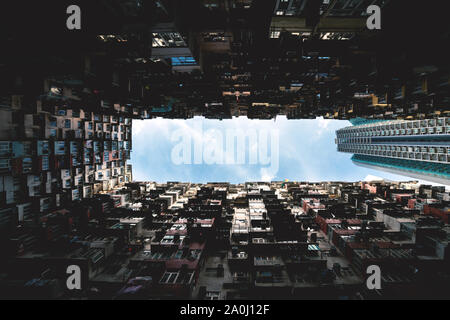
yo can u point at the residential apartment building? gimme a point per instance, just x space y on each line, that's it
419 149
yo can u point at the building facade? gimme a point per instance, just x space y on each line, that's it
419 149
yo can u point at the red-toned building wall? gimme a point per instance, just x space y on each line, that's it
412 203
323 223
440 213
371 188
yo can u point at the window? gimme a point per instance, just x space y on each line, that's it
214 37
185 278
60 148
73 147
45 163
5 148
167 39
169 277
43 148
275 34
183 61
212 295
27 165
75 194
5 164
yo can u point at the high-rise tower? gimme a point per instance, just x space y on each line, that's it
419 149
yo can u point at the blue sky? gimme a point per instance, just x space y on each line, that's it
307 151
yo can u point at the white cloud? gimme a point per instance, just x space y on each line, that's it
266 175
372 178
